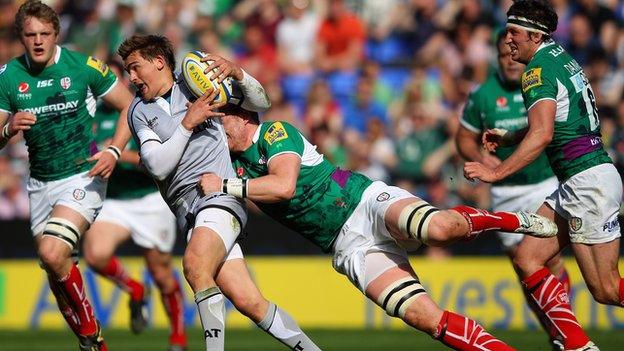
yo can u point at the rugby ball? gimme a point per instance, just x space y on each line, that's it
199 82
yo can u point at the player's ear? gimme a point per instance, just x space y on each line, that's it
160 62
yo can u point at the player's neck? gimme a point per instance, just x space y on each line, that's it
166 87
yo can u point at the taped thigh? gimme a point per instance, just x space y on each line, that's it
414 220
64 230
397 297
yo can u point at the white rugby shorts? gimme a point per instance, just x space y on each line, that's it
78 192
590 202
364 233
513 198
148 219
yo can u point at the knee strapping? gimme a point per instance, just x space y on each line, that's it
64 230
414 220
397 297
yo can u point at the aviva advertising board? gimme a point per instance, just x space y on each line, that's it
484 288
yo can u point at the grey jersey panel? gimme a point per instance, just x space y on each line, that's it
206 150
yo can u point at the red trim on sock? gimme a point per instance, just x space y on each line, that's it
115 272
73 289
622 291
464 334
536 278
480 220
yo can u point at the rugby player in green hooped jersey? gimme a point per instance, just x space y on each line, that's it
134 209
563 122
48 94
498 103
366 225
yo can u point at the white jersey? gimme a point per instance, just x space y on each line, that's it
205 152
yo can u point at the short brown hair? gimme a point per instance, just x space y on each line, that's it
149 47
39 10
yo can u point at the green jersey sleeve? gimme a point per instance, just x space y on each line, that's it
538 84
279 138
5 102
101 78
471 117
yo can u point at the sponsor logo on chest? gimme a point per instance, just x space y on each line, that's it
45 83
59 107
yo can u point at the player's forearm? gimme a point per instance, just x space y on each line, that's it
256 98
528 150
160 159
270 188
130 157
468 148
122 131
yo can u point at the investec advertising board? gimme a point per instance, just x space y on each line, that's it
485 289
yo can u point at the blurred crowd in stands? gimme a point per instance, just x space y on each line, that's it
378 85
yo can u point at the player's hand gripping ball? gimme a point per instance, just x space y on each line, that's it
199 82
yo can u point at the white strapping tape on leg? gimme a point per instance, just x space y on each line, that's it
397 297
64 230
414 220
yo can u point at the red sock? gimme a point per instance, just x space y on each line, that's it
553 301
464 334
66 310
174 307
73 289
622 291
564 279
480 220
114 271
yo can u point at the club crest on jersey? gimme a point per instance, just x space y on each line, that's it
531 78
240 172
275 133
23 87
383 197
576 223
79 194
65 83
97 65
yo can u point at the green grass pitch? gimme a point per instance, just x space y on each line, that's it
240 340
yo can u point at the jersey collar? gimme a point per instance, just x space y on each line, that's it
57 56
256 135
543 45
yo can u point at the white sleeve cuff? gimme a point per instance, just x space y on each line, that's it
256 98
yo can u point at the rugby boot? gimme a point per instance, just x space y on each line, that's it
535 225
138 314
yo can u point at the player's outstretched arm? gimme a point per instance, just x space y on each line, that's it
119 98
279 185
538 136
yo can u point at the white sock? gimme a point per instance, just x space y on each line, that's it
211 308
283 327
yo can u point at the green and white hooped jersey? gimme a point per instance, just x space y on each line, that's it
62 97
552 74
325 196
497 104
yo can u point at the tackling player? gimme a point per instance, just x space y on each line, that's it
497 103
134 209
363 223
50 92
178 143
563 122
